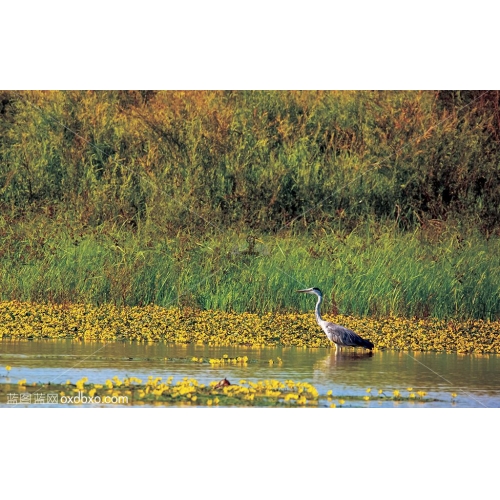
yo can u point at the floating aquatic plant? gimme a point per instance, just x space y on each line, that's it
190 392
24 320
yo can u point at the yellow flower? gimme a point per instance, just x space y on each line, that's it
409 389
453 395
368 390
8 368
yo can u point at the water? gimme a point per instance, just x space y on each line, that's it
474 378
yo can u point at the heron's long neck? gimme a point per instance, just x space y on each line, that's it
319 319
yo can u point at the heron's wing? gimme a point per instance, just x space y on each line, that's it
342 335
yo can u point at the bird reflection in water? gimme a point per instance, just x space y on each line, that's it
343 358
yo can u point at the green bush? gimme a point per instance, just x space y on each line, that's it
205 160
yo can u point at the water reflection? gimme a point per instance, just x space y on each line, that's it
340 358
475 378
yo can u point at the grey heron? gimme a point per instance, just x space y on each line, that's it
339 335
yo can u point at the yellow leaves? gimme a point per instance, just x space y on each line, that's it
188 391
132 380
218 328
241 360
80 384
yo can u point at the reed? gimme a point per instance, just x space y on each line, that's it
370 271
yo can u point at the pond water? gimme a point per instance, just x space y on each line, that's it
474 378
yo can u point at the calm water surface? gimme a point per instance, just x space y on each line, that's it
474 378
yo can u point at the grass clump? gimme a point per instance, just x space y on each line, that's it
373 270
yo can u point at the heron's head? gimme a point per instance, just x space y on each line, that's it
315 291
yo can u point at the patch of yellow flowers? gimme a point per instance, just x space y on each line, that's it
22 320
189 392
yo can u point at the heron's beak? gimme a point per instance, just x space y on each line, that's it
302 291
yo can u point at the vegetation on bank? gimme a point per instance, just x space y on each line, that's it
195 161
27 321
388 201
443 272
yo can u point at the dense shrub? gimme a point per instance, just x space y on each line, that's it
211 159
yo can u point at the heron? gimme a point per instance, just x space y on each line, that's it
338 334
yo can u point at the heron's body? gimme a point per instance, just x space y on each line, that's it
338 334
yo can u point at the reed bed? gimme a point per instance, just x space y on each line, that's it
370 271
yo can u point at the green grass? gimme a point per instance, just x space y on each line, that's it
371 271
